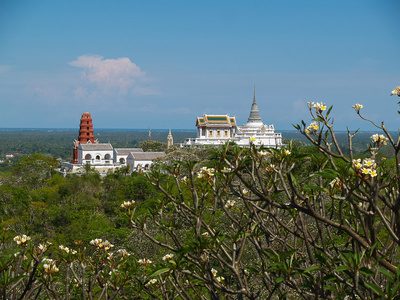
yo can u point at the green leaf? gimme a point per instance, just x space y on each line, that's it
329 111
297 126
294 180
330 287
375 288
329 277
341 268
172 262
366 271
398 273
279 279
314 187
394 289
328 173
386 273
159 272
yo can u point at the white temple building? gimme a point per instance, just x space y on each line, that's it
219 129
102 156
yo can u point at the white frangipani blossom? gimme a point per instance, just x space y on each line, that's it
357 107
319 107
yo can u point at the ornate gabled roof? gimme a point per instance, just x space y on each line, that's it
219 120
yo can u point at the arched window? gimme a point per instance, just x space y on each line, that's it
107 156
88 156
122 160
97 157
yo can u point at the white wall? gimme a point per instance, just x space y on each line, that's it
95 154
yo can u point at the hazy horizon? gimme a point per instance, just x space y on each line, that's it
160 64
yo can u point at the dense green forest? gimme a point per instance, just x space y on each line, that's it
318 218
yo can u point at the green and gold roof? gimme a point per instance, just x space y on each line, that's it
216 120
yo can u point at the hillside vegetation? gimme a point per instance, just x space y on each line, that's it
306 221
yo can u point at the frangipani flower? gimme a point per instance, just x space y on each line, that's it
263 153
123 253
379 139
144 261
230 203
67 250
357 107
127 204
22 239
336 183
167 257
365 171
365 167
153 281
205 234
396 91
312 128
319 107
42 247
49 266
369 163
206 173
310 104
103 246
357 164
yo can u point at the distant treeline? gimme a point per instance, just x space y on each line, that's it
58 142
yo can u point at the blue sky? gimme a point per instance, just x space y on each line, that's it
159 64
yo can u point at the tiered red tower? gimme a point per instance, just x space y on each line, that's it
86 135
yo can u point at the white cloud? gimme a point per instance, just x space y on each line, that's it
119 75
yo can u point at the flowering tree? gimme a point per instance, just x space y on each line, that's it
261 222
252 223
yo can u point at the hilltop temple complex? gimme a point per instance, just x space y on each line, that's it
212 130
102 156
219 129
